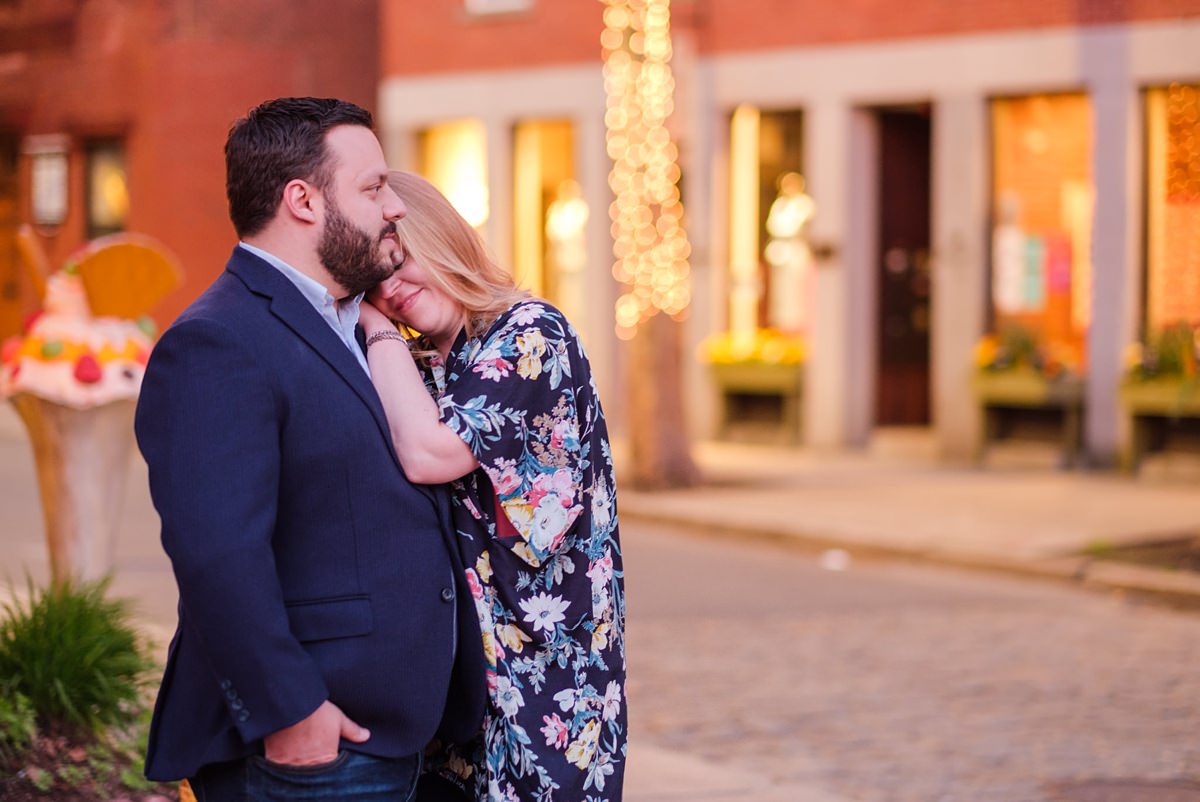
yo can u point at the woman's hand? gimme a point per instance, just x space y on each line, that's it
372 320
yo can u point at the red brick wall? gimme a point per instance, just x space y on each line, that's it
171 76
732 25
421 37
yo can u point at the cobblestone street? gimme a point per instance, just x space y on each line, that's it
894 682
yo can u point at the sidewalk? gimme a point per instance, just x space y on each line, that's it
1018 514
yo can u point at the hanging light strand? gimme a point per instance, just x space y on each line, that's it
650 246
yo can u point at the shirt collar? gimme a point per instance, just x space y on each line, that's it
309 287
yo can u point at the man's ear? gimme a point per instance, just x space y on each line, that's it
301 200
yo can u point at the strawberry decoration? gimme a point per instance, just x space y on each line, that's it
12 346
87 370
30 319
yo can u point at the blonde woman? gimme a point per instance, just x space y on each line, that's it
494 394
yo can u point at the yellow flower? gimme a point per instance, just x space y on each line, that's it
483 567
523 551
489 648
512 637
985 351
583 749
766 345
600 638
532 346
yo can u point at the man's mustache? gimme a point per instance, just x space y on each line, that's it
389 230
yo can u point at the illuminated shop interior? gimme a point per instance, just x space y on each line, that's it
770 262
549 214
107 189
1042 207
1172 206
453 156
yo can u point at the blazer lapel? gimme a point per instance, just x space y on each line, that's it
298 314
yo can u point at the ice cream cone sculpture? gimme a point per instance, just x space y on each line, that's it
74 377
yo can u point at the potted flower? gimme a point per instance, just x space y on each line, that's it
1014 367
768 362
1161 374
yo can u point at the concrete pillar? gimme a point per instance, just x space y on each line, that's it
960 256
826 169
1116 222
498 230
861 256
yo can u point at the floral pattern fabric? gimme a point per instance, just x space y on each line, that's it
537 526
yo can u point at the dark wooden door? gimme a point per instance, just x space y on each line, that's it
903 265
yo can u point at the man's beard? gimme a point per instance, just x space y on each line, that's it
350 255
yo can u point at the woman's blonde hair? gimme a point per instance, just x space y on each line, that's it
453 253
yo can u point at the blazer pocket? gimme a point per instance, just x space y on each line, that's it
329 619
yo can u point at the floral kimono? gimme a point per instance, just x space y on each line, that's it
537 528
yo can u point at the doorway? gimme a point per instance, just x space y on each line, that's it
903 267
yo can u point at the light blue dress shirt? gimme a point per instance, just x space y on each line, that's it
341 317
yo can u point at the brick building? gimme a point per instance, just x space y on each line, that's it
950 168
113 115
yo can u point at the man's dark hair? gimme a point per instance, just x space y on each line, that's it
278 141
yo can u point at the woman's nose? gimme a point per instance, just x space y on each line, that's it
389 286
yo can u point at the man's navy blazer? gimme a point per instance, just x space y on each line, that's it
309 568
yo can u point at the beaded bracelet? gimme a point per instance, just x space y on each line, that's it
385 335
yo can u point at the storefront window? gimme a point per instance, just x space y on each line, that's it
1041 266
107 188
453 156
49 169
1173 206
771 265
549 213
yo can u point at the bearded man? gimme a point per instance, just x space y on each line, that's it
325 636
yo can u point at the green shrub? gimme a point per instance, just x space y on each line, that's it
74 655
17 724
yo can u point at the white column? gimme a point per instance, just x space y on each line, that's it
1115 259
960 254
861 259
498 230
826 172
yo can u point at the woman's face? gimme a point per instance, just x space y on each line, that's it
410 297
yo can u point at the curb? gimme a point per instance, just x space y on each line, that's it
1177 588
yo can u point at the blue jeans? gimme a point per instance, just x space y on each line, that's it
349 778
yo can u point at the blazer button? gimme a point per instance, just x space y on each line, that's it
237 704
231 694
447 594
243 716
226 684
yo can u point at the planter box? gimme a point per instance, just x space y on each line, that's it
999 392
1024 388
1144 403
785 381
1166 397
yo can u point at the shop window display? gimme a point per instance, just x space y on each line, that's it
1041 265
1030 367
107 188
757 361
1173 206
453 156
549 215
1159 394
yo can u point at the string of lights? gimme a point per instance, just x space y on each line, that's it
650 246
